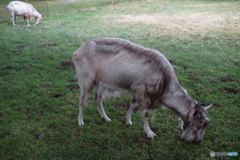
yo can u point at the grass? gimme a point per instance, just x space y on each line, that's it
60 7
39 95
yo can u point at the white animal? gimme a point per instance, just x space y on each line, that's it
113 64
18 8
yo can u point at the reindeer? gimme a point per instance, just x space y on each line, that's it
18 8
111 65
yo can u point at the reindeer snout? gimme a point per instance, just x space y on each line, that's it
189 138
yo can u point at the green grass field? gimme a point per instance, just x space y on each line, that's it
39 95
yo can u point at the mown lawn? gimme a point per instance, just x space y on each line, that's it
39 95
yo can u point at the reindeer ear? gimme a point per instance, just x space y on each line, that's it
195 113
206 108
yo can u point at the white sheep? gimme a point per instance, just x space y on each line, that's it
18 8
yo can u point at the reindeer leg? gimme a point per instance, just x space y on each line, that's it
144 102
13 19
28 22
98 101
86 87
26 18
80 117
133 105
146 127
83 100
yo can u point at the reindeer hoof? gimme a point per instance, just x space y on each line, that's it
106 119
152 138
151 135
80 123
129 123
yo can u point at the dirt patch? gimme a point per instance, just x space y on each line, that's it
73 86
181 70
26 67
66 64
96 133
9 67
49 45
24 45
68 104
71 81
47 86
58 95
38 58
74 96
225 79
206 5
230 90
16 51
123 105
186 23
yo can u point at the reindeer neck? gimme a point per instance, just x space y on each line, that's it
178 100
35 14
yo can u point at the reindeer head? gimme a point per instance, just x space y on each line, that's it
38 19
195 123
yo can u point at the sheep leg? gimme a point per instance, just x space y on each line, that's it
146 127
133 105
14 19
98 101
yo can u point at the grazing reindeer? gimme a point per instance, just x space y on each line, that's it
18 8
112 64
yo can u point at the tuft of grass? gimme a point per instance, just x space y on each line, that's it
39 96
